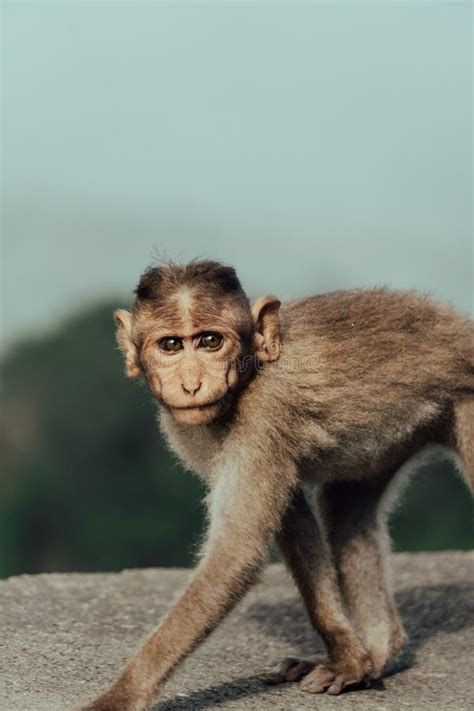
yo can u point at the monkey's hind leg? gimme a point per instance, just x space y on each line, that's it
464 437
355 521
308 557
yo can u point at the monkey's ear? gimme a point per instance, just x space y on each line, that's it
123 334
267 327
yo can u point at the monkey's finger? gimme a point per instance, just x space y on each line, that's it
279 675
317 681
300 670
342 682
337 686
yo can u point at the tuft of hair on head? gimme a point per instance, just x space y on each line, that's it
159 282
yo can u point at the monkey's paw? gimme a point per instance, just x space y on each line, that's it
334 677
318 676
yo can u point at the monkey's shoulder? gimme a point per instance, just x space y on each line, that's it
369 310
357 365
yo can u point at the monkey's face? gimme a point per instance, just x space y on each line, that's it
193 370
194 351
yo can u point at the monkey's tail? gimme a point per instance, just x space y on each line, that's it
464 437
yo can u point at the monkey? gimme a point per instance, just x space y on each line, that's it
268 402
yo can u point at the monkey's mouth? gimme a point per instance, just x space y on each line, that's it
204 406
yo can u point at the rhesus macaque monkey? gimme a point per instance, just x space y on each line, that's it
338 391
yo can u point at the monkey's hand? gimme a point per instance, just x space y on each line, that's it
116 698
318 676
113 700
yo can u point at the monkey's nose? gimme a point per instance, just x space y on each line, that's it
189 390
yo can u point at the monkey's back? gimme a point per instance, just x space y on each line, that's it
384 338
363 369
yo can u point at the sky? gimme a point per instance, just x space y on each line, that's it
313 145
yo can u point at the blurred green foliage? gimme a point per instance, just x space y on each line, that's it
87 483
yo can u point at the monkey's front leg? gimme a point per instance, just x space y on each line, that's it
245 510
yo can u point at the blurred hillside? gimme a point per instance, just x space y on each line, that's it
87 484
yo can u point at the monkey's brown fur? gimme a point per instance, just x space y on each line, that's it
338 391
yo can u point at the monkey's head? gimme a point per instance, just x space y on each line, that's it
194 337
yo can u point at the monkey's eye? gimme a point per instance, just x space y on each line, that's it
171 344
210 341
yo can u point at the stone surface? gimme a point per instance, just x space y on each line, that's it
64 637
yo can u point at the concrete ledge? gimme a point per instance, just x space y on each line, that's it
64 637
